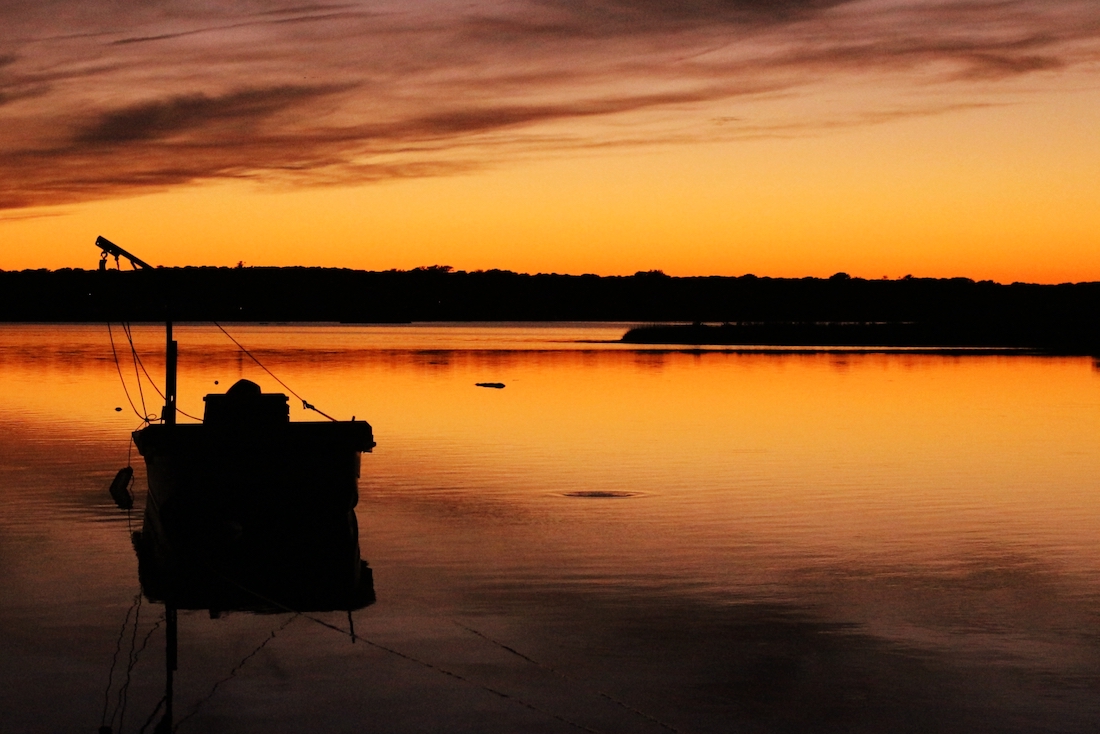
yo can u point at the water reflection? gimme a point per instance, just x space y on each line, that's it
620 542
281 562
288 562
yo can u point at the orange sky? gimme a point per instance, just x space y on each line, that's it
786 138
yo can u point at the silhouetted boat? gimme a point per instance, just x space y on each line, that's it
245 469
246 461
246 511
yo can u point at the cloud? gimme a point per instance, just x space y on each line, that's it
197 116
98 102
633 16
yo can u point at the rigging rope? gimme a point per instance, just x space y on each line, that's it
144 414
118 366
566 678
133 349
153 715
148 417
404 656
232 673
126 326
305 403
124 690
136 604
133 663
137 374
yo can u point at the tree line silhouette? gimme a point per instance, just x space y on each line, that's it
1056 317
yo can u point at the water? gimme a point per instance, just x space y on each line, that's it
620 540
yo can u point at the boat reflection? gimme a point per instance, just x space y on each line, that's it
276 562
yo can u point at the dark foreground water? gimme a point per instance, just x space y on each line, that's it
618 541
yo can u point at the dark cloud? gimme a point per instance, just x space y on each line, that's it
975 57
171 92
610 15
295 17
237 113
307 9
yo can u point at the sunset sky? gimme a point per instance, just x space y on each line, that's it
777 137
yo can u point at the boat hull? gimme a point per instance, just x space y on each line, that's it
293 467
267 510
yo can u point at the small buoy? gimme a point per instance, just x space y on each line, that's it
118 410
215 382
120 488
494 385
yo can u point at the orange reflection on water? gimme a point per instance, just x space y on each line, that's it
744 466
672 527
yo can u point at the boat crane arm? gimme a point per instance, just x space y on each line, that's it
168 415
110 248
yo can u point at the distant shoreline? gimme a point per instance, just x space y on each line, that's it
836 311
943 337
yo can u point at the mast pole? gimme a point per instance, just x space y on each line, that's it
169 412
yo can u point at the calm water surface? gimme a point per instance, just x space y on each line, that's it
618 541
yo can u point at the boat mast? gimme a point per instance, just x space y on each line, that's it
169 412
110 249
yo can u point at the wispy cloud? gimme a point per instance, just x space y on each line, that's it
98 103
196 116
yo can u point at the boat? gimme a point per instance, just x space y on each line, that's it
248 493
246 510
247 461
245 482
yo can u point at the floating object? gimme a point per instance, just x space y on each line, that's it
118 410
601 495
494 385
120 488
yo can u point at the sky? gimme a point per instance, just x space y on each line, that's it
786 138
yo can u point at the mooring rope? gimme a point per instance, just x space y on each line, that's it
232 673
153 715
120 702
126 327
139 363
566 678
118 366
405 656
133 663
305 404
137 373
130 338
114 661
